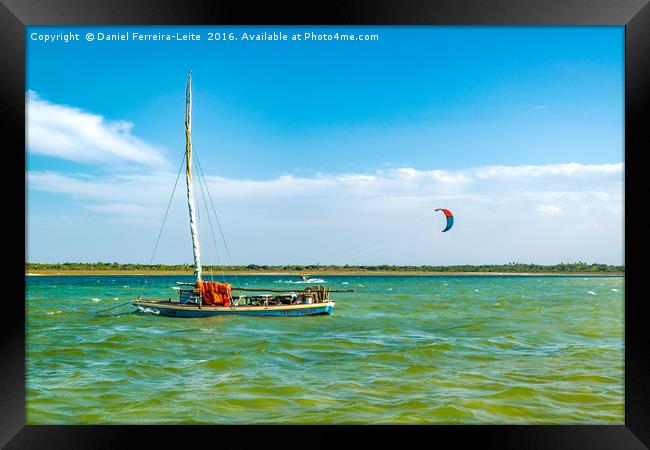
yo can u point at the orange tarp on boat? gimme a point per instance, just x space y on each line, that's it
215 294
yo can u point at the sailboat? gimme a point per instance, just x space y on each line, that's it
208 298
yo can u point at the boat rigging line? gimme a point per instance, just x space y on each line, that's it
207 211
144 282
384 247
216 216
108 309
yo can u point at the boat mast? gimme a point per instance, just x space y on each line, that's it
188 177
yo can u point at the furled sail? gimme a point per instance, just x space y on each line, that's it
188 177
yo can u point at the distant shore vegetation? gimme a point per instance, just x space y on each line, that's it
579 267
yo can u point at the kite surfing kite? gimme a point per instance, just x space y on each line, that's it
449 216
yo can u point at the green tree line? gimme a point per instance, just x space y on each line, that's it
513 267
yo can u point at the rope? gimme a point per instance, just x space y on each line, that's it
207 247
223 238
214 240
108 309
163 223
385 247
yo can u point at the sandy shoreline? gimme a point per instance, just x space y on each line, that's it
317 273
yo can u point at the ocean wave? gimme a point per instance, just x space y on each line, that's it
148 310
491 358
311 280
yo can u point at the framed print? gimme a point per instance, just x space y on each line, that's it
405 216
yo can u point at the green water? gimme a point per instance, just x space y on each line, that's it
400 350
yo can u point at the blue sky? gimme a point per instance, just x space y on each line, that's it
377 133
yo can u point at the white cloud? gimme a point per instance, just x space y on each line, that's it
549 170
601 184
503 213
550 210
72 134
126 209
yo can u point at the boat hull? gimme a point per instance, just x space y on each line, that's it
176 310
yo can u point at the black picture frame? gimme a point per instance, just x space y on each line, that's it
633 14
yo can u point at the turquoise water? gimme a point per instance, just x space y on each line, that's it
434 349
